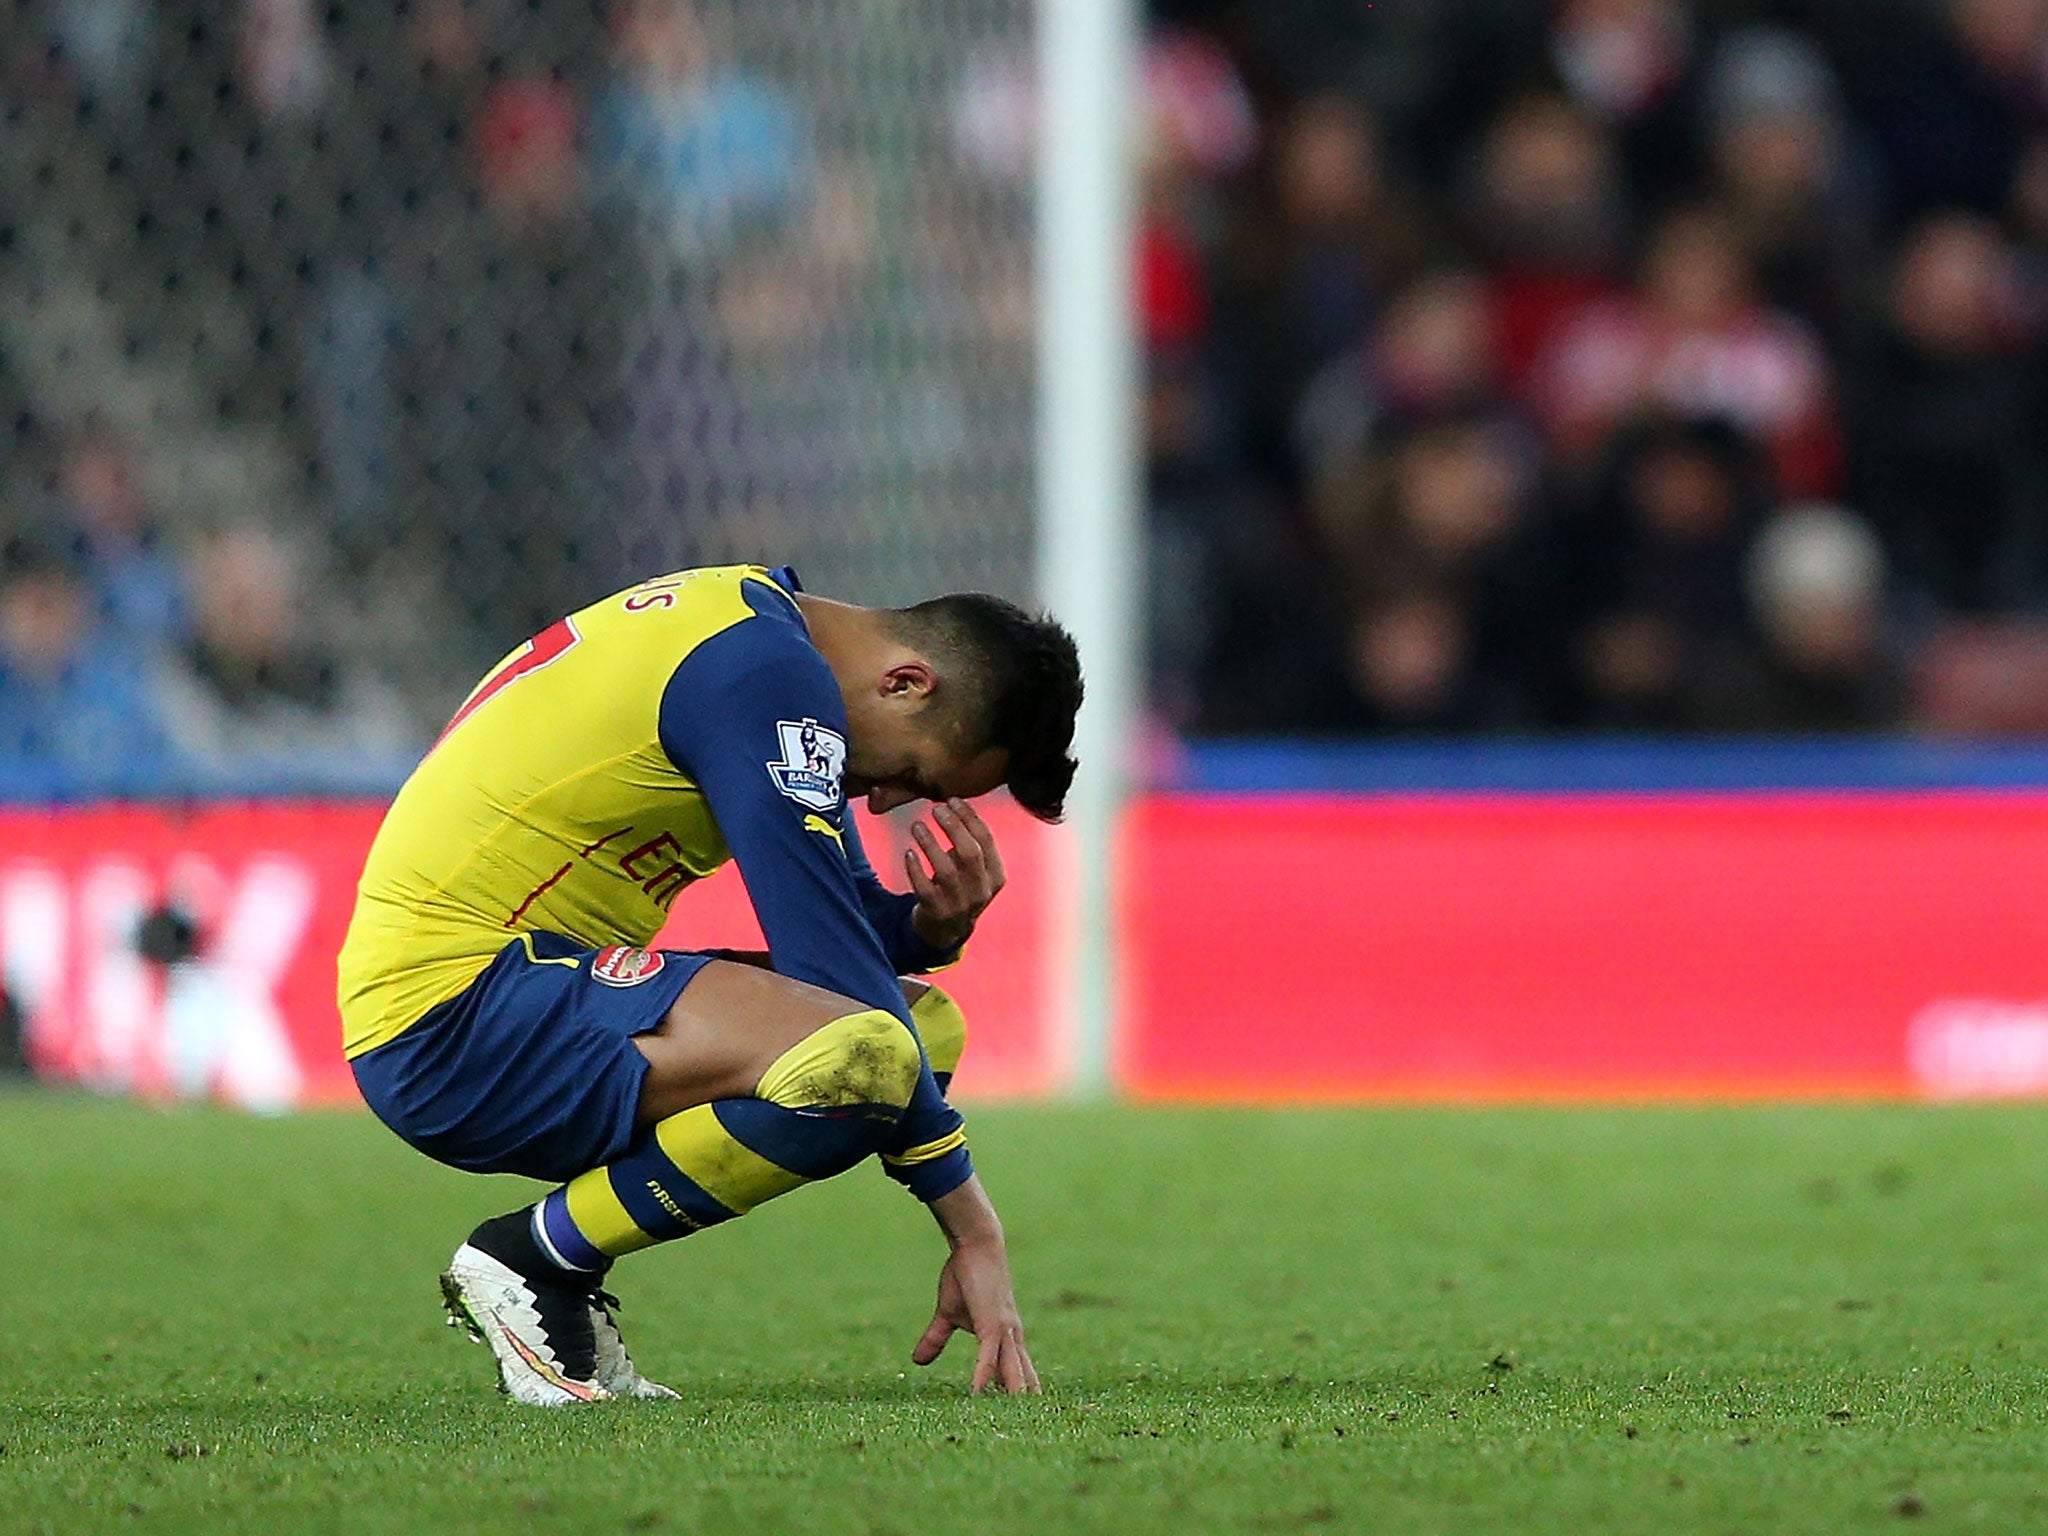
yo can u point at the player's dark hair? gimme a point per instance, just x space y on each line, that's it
1016 681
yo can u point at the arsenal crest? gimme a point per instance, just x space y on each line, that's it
624 966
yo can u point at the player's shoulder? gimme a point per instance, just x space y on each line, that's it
759 680
723 591
746 620
674 613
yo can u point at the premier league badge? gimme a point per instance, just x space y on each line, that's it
812 765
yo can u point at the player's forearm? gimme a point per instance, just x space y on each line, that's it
967 1216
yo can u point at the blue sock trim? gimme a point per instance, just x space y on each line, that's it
559 1239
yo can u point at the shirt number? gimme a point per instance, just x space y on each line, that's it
550 645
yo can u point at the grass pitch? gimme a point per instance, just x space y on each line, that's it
1811 1319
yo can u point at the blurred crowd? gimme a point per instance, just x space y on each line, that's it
1591 365
128 660
1599 365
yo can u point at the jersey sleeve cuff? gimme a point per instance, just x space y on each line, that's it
909 952
906 947
930 1173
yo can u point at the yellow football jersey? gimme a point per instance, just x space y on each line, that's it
551 802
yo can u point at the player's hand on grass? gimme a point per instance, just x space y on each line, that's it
975 1297
955 880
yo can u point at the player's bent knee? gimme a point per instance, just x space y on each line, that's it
943 1029
864 1060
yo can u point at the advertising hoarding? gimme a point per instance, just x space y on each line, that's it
1276 946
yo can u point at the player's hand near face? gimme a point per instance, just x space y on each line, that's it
975 1295
955 880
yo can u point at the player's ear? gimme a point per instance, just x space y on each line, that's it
910 681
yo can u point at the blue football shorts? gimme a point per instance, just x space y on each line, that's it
531 1068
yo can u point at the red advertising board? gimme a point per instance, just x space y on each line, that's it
1276 947
1588 946
250 1017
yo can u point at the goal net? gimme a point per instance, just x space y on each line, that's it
489 307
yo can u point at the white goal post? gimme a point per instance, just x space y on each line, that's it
1088 483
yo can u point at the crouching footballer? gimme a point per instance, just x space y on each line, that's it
503 1012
